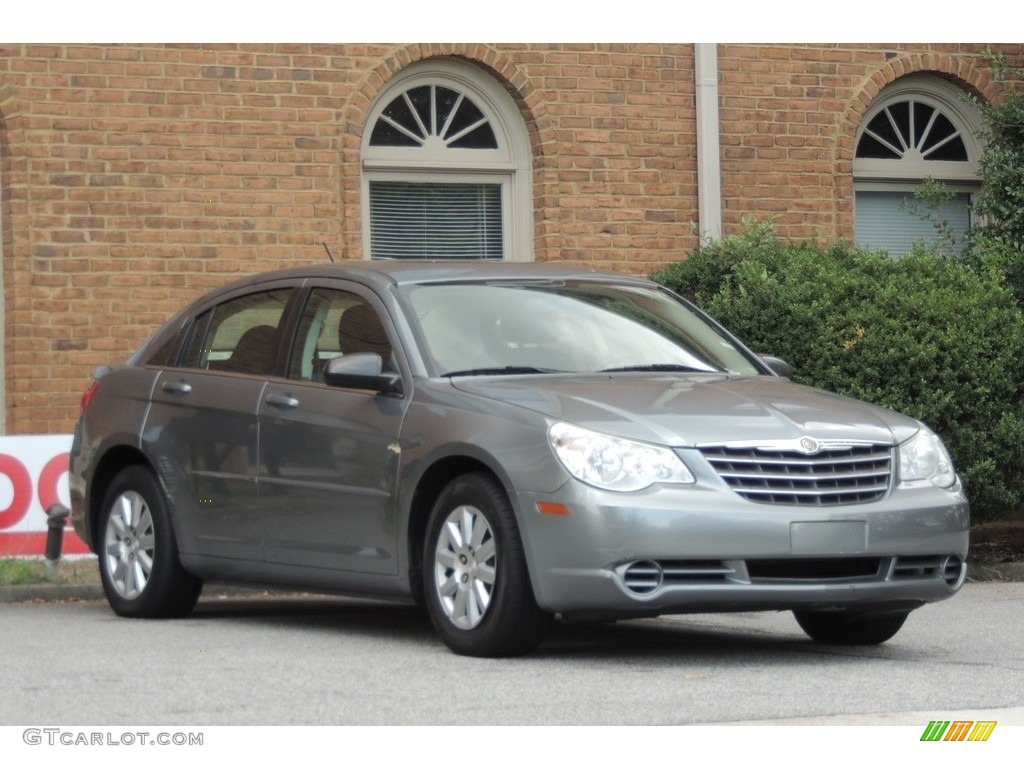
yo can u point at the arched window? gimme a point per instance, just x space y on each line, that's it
919 127
446 168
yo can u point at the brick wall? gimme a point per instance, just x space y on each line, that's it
789 117
133 178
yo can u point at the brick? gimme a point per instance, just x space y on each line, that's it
135 177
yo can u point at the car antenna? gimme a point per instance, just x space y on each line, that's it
329 256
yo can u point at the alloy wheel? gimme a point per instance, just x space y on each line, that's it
129 544
465 565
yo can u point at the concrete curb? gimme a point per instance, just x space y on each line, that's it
57 593
49 593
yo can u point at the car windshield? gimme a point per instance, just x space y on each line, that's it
565 326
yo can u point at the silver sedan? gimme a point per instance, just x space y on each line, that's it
503 443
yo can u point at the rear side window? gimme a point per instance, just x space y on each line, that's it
239 336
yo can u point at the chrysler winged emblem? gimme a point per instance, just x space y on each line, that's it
809 445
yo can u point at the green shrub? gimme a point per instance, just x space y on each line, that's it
924 335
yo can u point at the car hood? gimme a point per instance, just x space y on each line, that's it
684 410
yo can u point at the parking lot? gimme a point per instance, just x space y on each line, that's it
243 658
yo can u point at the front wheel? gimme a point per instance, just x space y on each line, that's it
478 591
850 628
142 577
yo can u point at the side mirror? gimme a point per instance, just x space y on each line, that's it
362 370
779 366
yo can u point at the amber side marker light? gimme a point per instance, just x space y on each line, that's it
552 508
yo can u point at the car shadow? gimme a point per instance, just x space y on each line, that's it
311 612
670 640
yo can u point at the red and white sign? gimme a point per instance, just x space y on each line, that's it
33 477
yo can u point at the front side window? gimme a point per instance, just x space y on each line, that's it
919 128
240 335
446 169
333 324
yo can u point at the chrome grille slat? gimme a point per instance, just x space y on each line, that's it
810 494
787 486
681 571
803 477
835 475
790 463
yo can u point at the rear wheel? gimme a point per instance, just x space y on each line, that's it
138 556
850 628
477 587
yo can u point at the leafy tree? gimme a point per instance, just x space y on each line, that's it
1001 201
997 242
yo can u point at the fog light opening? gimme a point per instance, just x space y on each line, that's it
953 571
642 577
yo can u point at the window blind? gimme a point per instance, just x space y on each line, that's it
410 220
884 221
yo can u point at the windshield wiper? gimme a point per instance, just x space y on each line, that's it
659 367
499 370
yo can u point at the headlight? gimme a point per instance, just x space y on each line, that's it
613 463
924 457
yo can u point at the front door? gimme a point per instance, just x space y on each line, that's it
329 456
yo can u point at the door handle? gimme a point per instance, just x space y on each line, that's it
283 401
179 387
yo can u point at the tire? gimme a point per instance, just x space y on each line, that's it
850 628
477 589
142 576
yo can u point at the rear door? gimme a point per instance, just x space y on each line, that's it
330 456
203 427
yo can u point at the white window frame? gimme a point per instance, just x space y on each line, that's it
906 174
504 180
510 165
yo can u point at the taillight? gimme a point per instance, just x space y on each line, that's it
88 395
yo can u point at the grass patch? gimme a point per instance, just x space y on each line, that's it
27 570
16 570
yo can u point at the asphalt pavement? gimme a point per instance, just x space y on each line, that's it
297 660
761 668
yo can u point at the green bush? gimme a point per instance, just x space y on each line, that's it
924 335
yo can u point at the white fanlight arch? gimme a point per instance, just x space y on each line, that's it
446 168
920 127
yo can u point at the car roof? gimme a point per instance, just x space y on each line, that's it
393 272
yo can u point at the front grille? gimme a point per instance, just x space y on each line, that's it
647 577
822 569
917 566
948 567
835 475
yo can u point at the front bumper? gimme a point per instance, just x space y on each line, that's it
695 549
